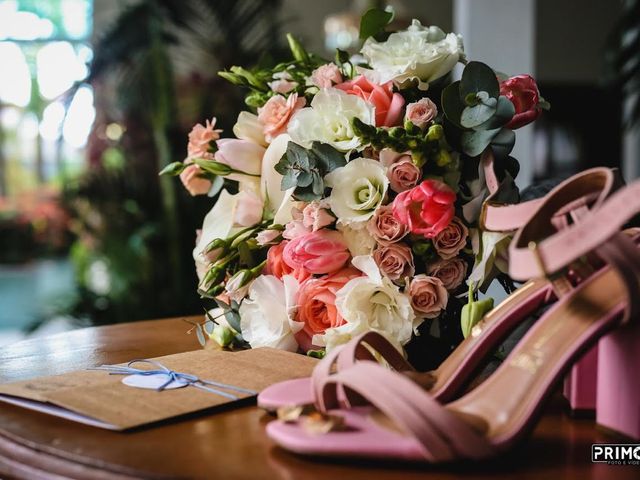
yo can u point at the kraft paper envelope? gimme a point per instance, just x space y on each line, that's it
96 398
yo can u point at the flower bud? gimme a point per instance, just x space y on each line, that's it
222 335
443 158
435 133
473 312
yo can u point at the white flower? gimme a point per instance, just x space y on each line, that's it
359 241
328 120
422 53
266 316
372 302
218 223
248 127
277 201
358 189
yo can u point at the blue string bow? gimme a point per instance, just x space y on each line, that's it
173 376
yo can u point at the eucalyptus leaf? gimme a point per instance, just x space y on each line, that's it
473 116
318 184
478 77
289 180
474 142
304 179
208 327
373 22
200 336
504 112
233 319
503 142
452 104
329 156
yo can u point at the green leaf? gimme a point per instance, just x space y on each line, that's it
175 168
306 194
209 326
213 167
374 21
297 50
233 319
474 142
297 155
341 57
329 157
304 179
504 112
289 179
246 258
200 336
503 143
473 116
318 184
452 104
478 77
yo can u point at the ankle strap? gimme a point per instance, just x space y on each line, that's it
538 249
500 217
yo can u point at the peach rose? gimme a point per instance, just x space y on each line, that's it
395 261
403 176
326 76
451 272
428 296
451 239
388 105
277 267
193 182
276 113
421 113
386 228
296 226
200 138
316 305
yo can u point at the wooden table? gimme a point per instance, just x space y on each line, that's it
230 444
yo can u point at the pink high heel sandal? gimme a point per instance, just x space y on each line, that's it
404 422
453 374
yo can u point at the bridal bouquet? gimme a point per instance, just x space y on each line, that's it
357 191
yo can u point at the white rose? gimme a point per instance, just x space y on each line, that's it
218 223
358 189
248 127
266 316
359 241
372 302
422 53
328 120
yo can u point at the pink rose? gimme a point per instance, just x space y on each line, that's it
386 228
276 113
451 239
388 105
248 209
421 113
201 137
426 209
318 252
317 305
193 182
395 261
401 171
316 216
242 155
277 267
428 296
522 91
326 76
403 175
450 272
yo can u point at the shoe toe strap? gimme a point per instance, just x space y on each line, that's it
442 435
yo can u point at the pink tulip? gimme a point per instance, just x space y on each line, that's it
323 251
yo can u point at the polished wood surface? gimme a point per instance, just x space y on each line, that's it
232 443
